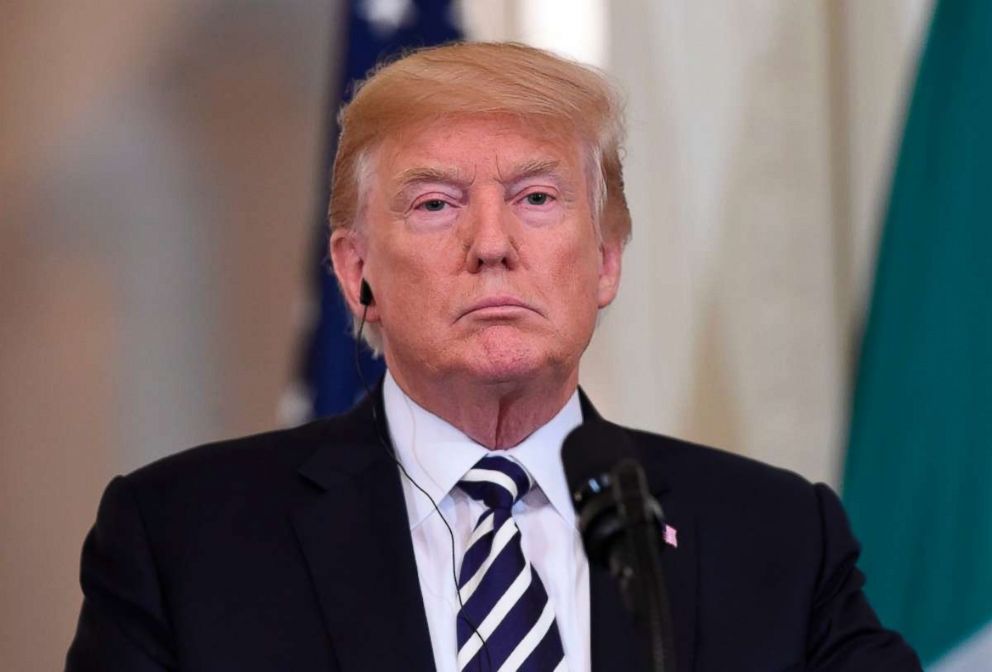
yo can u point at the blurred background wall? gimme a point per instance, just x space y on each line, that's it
159 169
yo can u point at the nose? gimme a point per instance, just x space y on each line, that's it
491 242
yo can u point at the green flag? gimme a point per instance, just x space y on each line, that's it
918 480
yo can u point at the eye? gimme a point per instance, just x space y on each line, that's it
537 198
433 205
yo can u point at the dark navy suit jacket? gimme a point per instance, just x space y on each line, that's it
291 551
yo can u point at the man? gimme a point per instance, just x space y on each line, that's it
478 220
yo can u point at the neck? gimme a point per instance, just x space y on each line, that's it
496 415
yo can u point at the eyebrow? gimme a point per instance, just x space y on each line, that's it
533 168
520 171
420 175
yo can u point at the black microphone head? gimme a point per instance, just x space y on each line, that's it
594 455
590 451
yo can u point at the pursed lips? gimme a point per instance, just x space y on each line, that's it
498 306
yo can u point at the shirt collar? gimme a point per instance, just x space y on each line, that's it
436 454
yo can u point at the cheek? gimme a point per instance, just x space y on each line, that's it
573 285
576 265
416 285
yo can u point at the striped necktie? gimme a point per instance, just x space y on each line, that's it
503 599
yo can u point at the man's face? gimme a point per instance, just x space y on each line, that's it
477 238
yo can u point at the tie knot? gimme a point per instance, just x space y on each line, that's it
496 481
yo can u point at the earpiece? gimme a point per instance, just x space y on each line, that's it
365 294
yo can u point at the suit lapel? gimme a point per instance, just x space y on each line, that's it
679 565
615 642
355 536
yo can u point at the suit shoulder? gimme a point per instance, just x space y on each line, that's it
714 469
736 502
264 457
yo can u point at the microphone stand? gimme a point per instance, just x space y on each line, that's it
636 561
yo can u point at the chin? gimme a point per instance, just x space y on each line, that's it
508 358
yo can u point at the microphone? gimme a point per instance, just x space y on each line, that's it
621 525
609 490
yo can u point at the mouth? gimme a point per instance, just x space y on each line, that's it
497 308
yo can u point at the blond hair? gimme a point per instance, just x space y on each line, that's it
477 79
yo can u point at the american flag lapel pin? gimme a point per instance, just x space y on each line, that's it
671 536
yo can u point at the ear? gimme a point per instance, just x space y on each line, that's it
611 254
347 249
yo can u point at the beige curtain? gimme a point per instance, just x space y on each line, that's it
761 136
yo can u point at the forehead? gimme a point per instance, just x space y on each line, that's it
490 146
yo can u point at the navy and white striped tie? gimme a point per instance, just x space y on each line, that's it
504 601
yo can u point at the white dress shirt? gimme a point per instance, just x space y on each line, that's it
436 455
